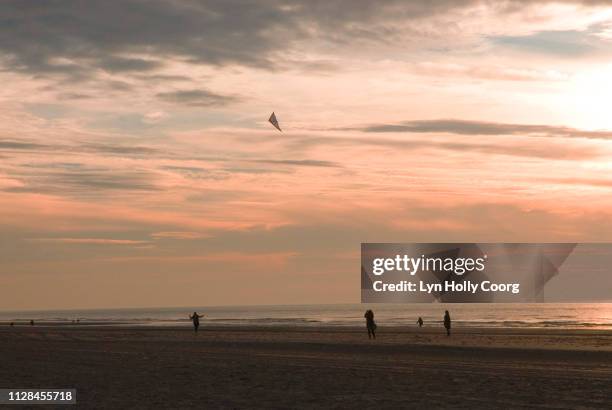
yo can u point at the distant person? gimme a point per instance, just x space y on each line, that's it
31 323
371 326
420 322
12 324
447 323
195 318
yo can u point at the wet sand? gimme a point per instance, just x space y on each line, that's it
258 367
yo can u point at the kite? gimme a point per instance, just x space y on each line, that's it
274 122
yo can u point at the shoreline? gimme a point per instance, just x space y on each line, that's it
507 338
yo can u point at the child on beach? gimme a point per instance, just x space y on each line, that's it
371 326
420 321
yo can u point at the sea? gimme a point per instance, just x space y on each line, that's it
540 315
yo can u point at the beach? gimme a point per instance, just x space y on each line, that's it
288 367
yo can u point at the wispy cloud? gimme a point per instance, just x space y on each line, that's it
197 98
86 147
87 241
179 235
465 127
299 162
562 43
604 183
84 181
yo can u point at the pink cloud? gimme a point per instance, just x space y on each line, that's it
95 241
179 235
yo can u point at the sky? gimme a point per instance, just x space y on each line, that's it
138 169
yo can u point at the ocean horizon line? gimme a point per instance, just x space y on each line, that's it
188 307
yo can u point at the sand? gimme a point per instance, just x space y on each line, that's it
258 367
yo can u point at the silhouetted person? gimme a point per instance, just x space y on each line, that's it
447 322
369 317
195 318
12 324
31 323
420 321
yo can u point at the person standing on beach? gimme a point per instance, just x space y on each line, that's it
447 323
371 326
195 318
420 321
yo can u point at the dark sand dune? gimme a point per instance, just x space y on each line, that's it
125 367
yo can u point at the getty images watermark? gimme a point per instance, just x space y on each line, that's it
471 272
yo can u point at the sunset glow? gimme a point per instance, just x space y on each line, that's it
138 167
